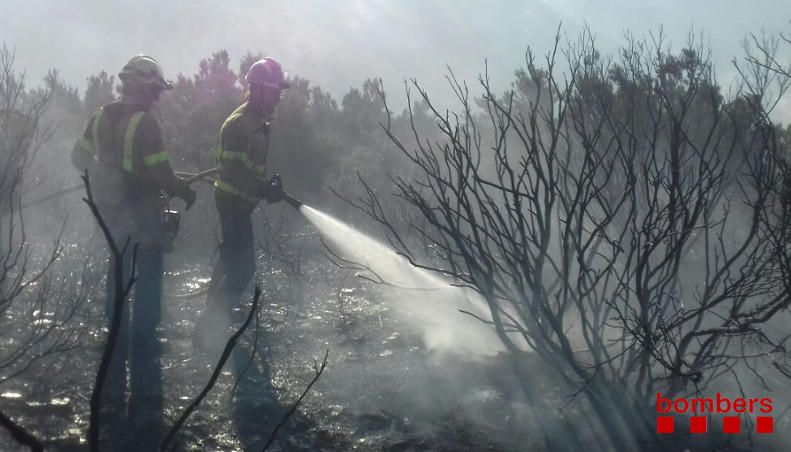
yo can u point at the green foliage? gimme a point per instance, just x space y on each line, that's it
194 110
98 92
65 99
247 60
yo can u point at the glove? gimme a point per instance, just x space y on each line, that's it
189 197
186 193
272 191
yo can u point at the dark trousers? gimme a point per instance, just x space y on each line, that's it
138 347
236 265
230 278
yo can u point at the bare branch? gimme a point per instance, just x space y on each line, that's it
319 369
226 353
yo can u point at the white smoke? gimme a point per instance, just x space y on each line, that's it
420 296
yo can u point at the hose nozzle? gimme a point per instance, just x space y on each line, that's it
292 201
274 193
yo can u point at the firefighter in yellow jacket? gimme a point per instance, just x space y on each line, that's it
123 151
242 182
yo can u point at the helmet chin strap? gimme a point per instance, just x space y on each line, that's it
261 105
143 98
137 99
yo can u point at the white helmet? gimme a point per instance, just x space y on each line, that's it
146 70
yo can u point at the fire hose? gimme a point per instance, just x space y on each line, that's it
50 196
204 176
188 177
275 185
273 192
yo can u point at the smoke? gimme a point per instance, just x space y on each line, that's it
420 296
782 112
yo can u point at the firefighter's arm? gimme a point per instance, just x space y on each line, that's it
232 153
156 162
83 155
233 160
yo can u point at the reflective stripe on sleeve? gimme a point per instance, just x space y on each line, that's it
228 188
242 157
153 159
234 155
86 145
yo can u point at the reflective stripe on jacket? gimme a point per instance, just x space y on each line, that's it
241 156
123 137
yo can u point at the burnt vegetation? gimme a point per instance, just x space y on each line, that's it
623 220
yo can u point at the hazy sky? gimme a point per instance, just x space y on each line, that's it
337 44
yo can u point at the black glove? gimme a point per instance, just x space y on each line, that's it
186 193
272 191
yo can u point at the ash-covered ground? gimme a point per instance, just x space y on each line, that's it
382 389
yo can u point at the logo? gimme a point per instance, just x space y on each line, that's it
730 413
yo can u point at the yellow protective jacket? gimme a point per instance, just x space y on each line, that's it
241 156
122 138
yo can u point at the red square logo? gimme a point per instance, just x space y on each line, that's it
665 424
764 424
698 424
731 424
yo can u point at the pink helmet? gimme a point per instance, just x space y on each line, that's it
267 72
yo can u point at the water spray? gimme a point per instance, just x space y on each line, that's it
430 301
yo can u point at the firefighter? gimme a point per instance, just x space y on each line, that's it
241 184
129 168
